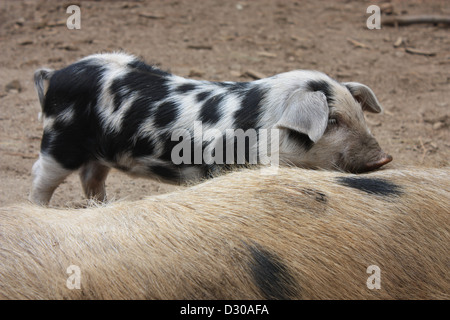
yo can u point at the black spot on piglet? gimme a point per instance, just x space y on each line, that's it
271 276
374 186
318 195
322 86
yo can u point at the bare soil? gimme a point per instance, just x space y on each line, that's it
229 40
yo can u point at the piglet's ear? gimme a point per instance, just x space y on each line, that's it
306 112
365 96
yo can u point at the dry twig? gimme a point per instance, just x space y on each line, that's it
358 44
408 20
421 52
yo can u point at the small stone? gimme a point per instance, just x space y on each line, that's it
195 73
14 86
438 125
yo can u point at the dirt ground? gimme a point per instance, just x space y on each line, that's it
229 40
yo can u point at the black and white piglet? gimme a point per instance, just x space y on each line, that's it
113 110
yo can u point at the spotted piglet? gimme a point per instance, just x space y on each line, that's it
114 110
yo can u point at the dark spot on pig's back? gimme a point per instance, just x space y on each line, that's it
247 116
201 96
374 186
75 86
185 88
317 195
166 113
271 275
210 111
141 66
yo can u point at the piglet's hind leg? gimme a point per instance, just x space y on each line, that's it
48 174
93 176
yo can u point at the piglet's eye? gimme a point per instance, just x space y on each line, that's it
332 121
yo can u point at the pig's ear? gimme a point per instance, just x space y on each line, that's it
365 96
306 112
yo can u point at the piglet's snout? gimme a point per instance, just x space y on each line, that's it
381 161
